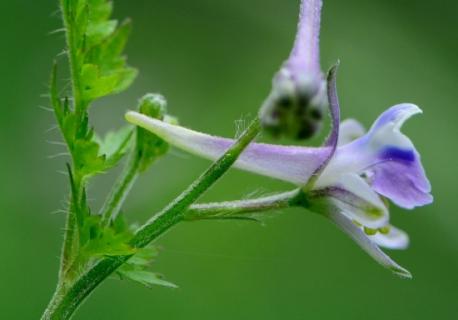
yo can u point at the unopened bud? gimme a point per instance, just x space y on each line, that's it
153 105
295 107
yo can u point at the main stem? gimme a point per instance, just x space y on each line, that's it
71 230
66 301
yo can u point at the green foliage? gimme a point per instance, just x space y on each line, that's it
138 269
99 41
109 241
95 46
98 68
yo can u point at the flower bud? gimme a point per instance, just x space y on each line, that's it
153 105
295 107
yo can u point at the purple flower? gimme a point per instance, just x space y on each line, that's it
349 189
346 179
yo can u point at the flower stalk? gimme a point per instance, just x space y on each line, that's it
64 303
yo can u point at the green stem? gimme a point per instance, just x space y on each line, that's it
118 195
241 208
65 302
71 230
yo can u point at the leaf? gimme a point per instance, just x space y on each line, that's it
146 278
104 241
108 55
100 10
97 32
137 268
97 85
115 144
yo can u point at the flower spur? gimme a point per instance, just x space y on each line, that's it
346 179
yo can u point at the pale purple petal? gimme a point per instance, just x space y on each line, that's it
288 163
305 56
401 178
367 245
390 158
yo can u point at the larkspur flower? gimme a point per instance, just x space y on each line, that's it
350 175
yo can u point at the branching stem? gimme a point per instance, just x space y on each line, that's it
66 300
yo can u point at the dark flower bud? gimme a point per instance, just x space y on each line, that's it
295 107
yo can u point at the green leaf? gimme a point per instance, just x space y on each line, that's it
97 32
97 85
98 241
145 278
115 144
108 55
100 10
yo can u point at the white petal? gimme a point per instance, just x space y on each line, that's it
367 245
395 239
288 163
350 130
356 199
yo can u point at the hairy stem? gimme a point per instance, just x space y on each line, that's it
116 198
243 208
65 302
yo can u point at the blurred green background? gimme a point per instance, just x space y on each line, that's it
213 60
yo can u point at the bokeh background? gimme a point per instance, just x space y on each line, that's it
213 60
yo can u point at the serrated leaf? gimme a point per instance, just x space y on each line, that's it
104 241
144 257
97 32
115 144
87 159
108 55
98 85
146 278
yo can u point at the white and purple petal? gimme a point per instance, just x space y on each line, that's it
355 199
367 244
390 158
288 163
393 238
350 130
